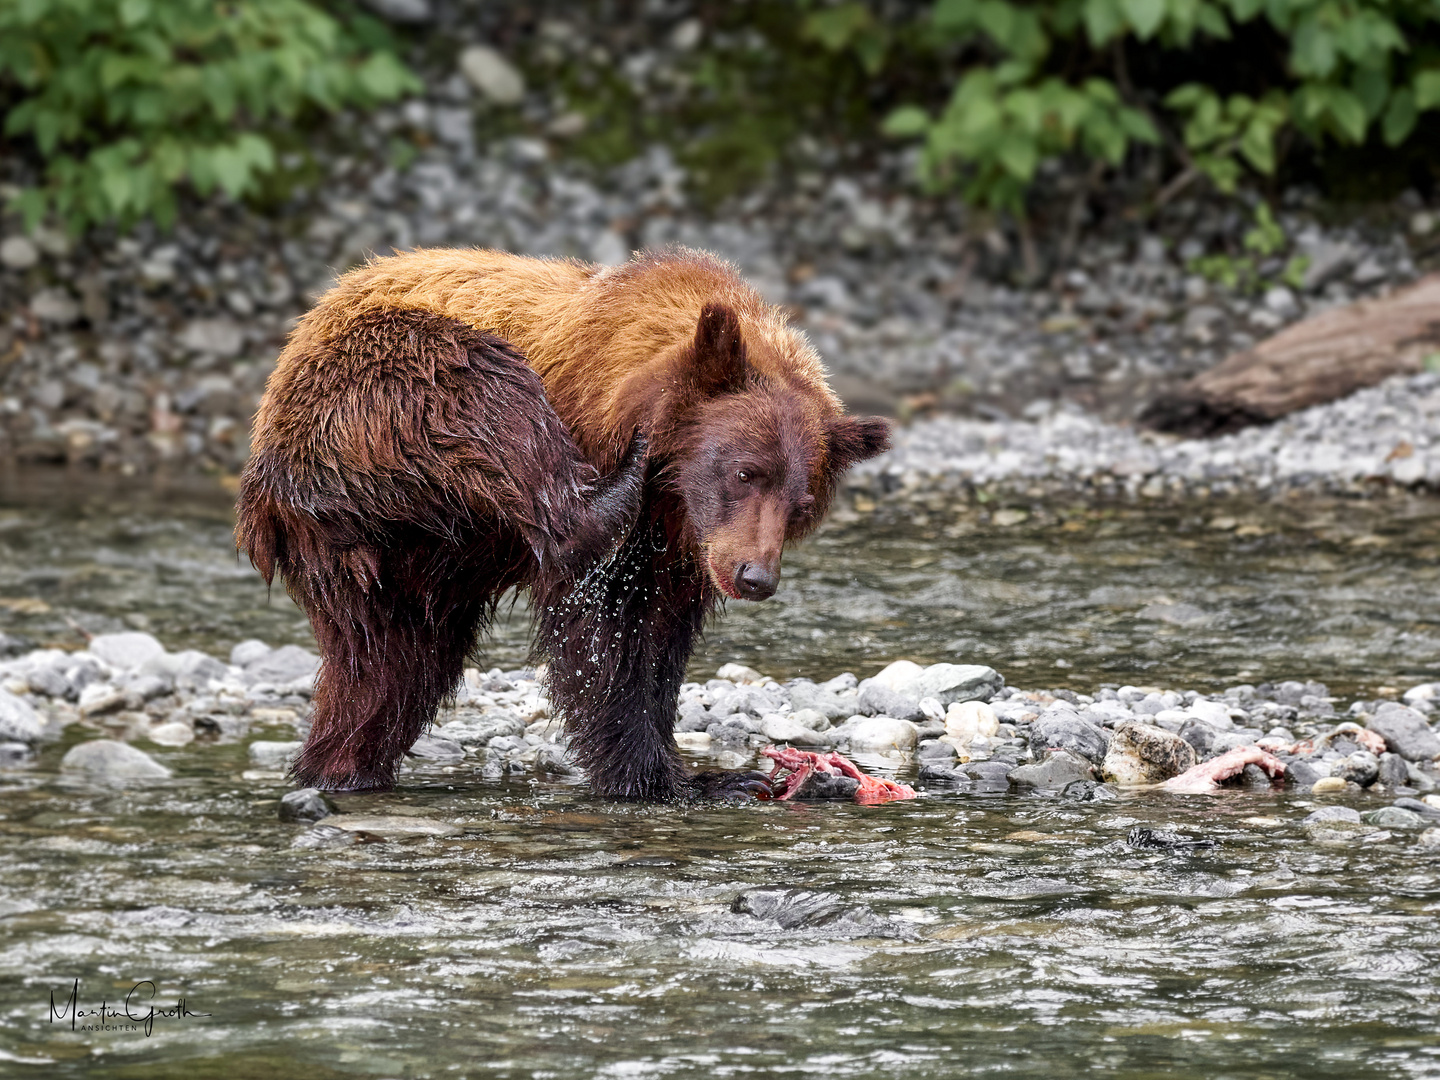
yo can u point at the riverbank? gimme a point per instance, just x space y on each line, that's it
123 704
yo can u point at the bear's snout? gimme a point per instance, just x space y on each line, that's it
755 582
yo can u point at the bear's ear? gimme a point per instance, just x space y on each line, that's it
857 438
720 366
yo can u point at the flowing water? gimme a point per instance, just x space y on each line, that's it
521 928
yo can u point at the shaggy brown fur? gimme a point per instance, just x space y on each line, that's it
387 463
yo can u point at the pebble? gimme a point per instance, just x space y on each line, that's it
19 722
1406 732
108 759
1328 785
304 804
1141 754
1059 769
274 756
489 72
882 734
130 650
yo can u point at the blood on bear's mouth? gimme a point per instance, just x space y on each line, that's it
722 581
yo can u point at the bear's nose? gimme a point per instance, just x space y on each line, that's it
755 582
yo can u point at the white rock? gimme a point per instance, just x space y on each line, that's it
18 253
55 305
740 674
213 337
695 741
493 75
901 676
967 720
813 719
18 721
275 756
126 651
949 683
247 652
173 733
1423 692
882 734
100 698
1214 713
106 757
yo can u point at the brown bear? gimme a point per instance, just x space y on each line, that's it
409 467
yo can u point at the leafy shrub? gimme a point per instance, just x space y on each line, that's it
126 100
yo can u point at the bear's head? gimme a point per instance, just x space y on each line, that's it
754 457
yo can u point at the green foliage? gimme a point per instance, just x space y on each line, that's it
127 100
1351 68
1264 240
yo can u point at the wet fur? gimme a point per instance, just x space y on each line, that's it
409 468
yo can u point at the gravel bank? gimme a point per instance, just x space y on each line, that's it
1377 440
152 349
949 726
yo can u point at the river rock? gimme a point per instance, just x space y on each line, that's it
18 253
1393 817
902 676
494 76
13 754
172 733
967 719
306 804
785 728
1331 813
126 651
1392 772
1142 754
287 666
877 699
1063 729
1305 774
1058 769
393 826
739 674
110 759
248 652
437 749
807 695
1415 806
274 756
1405 731
473 729
1361 767
949 683
18 721
882 734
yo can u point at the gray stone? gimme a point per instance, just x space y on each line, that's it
55 305
1200 735
438 749
221 338
987 775
393 826
879 700
248 652
783 728
1392 772
1144 754
324 836
1393 817
493 75
806 695
13 754
1361 767
472 729
18 253
285 666
1327 260
306 804
1060 768
1405 732
127 651
109 759
556 761
1332 813
18 721
1424 809
274 756
1065 730
949 683
1303 774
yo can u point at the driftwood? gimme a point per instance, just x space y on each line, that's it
1320 359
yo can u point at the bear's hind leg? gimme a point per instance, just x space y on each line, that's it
389 657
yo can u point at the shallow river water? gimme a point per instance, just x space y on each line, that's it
521 928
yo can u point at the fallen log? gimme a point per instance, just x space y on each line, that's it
1314 361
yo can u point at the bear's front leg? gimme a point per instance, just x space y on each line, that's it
617 643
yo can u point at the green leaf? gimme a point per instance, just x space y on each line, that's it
1103 20
1427 89
1400 117
1257 146
1145 16
906 121
1348 114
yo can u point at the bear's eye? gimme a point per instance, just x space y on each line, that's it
744 475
